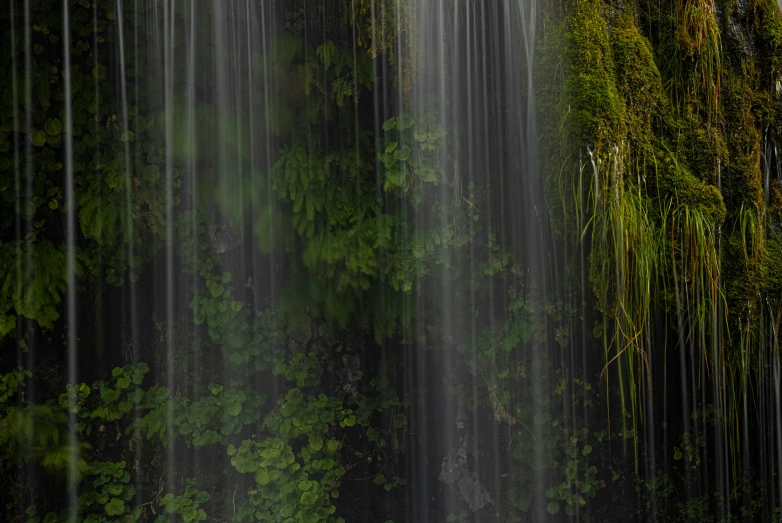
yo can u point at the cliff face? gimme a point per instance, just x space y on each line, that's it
664 116
659 130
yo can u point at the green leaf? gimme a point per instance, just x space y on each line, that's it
84 390
235 409
38 138
99 71
53 126
553 508
309 497
389 124
404 121
115 507
524 502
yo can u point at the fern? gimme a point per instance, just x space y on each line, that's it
37 294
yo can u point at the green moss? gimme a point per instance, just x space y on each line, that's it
579 106
743 107
597 111
769 31
638 82
774 207
743 176
702 145
772 277
741 282
677 183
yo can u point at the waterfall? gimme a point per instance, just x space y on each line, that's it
390 260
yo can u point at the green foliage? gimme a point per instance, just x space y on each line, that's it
209 421
33 282
412 156
10 384
338 228
187 505
700 37
527 393
389 484
105 499
669 204
111 493
35 432
117 185
293 449
287 484
295 459
351 72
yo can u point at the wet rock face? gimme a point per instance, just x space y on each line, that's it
737 35
455 473
350 374
224 238
740 39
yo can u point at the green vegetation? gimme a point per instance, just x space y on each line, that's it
343 254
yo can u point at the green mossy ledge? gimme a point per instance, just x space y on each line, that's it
610 96
597 111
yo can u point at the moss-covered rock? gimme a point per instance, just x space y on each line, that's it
638 82
772 277
596 109
676 183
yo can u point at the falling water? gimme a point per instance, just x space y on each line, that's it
390 260
70 253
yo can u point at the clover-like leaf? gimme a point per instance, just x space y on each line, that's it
115 507
38 138
53 126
